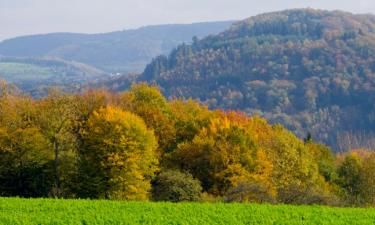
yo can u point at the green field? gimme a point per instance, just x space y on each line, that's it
13 72
48 211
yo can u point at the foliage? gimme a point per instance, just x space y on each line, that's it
25 168
311 70
176 186
55 116
118 159
148 103
105 145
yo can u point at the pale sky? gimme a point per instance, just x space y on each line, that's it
23 17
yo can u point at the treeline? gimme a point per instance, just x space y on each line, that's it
307 69
137 145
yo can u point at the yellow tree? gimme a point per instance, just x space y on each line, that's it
190 117
55 117
148 103
223 156
118 158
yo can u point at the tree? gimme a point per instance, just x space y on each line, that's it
220 156
368 180
117 158
176 186
349 172
24 160
55 117
148 103
325 159
189 118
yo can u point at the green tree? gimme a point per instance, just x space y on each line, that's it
368 180
176 186
349 172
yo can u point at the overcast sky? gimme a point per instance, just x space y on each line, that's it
22 17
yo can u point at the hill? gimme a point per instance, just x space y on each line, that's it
117 52
36 75
311 70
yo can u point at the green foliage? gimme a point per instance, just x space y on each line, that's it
176 186
368 181
349 173
51 211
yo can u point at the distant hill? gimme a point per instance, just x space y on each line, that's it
311 70
36 75
115 52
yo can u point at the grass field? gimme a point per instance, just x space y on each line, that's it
13 72
48 211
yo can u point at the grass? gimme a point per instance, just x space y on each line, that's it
50 211
21 71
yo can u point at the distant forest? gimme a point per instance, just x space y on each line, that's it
311 70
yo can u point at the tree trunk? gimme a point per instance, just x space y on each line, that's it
56 165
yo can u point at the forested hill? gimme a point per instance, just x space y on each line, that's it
121 51
311 70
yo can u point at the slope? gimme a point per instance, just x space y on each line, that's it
311 70
117 52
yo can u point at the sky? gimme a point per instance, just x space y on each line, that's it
24 17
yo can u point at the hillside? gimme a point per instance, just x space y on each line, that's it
36 75
121 51
311 70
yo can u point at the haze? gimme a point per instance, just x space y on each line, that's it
24 17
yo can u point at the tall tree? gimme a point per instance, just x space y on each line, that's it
56 116
118 158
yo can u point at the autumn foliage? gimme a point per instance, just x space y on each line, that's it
137 145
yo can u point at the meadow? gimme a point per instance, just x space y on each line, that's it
53 211
13 72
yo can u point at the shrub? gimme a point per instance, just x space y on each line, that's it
249 192
176 186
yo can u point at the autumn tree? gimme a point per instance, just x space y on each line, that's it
24 157
55 118
189 118
117 159
222 156
148 103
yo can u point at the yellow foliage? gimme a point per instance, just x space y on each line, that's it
120 142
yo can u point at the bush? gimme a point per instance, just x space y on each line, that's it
249 192
176 186
296 195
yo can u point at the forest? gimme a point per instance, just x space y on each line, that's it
310 70
137 145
